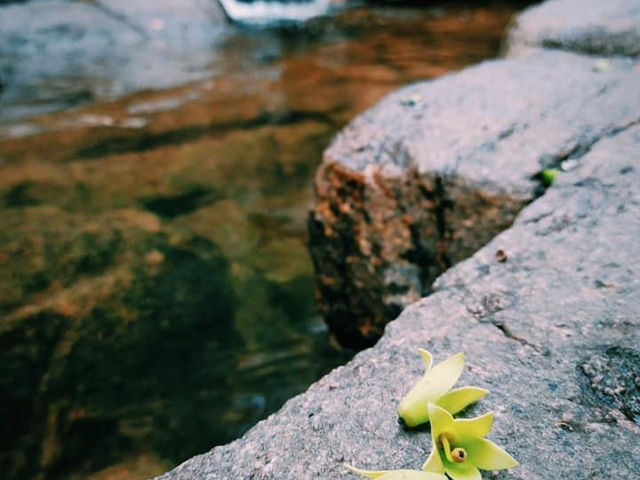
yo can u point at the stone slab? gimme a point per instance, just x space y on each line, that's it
552 330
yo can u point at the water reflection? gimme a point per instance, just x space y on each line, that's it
157 291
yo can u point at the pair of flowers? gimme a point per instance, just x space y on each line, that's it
459 447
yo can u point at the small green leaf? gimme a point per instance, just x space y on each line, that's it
460 447
435 383
489 456
444 375
367 473
602 65
548 175
460 398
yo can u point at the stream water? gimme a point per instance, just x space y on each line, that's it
156 168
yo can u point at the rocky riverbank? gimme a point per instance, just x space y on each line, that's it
546 311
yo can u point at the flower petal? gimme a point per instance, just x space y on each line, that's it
434 384
460 398
367 473
444 375
489 456
463 471
440 420
428 359
413 407
397 474
434 462
468 429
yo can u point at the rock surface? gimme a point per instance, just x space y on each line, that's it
435 170
586 26
552 331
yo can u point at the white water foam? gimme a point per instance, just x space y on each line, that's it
263 12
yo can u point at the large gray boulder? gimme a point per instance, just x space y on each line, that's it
553 331
437 169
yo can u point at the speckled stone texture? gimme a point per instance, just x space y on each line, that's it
437 169
596 27
553 332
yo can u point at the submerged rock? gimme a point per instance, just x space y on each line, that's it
106 305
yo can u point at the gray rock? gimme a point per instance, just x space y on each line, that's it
437 169
588 26
552 328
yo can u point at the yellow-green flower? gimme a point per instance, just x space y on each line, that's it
398 474
459 448
435 387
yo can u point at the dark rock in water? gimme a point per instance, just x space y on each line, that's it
123 302
437 169
589 26
537 333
